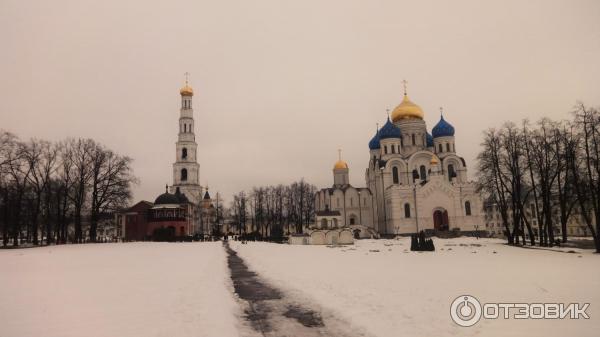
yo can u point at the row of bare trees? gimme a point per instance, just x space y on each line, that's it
547 172
271 211
47 188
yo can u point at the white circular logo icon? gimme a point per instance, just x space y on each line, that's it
465 310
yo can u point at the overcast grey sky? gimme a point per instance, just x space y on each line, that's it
280 85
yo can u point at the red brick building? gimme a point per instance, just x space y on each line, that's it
170 211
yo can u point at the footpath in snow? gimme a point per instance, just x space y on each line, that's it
381 287
128 290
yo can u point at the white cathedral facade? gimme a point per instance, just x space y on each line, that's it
415 181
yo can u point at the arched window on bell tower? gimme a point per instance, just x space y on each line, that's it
184 174
184 153
423 172
395 175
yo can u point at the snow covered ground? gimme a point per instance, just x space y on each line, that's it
378 286
386 290
128 290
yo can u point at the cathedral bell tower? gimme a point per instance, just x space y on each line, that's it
186 170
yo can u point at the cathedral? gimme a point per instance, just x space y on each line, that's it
415 180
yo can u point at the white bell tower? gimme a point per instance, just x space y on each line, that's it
186 170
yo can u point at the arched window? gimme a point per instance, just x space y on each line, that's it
440 149
447 147
451 172
467 207
183 174
423 172
407 210
413 139
323 223
353 219
385 149
393 148
184 153
395 175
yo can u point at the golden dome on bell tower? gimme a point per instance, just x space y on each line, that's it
186 90
407 109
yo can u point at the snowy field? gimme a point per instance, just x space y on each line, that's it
378 286
128 290
395 292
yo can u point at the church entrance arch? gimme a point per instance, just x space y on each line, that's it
440 220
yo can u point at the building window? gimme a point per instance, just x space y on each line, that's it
447 147
423 172
440 148
407 210
451 173
385 149
184 153
395 175
467 207
393 148
413 139
352 220
323 223
183 174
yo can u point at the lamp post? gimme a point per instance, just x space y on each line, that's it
415 177
383 200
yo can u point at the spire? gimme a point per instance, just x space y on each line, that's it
404 82
441 112
340 154
187 75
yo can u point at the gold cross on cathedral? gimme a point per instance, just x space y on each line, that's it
441 111
404 83
187 77
339 154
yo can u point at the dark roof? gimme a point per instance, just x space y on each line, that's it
166 198
181 196
327 213
206 195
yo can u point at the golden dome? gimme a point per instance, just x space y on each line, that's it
340 164
186 91
434 160
407 109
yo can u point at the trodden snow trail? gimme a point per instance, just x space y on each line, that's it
271 314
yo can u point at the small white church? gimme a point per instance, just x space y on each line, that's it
415 180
